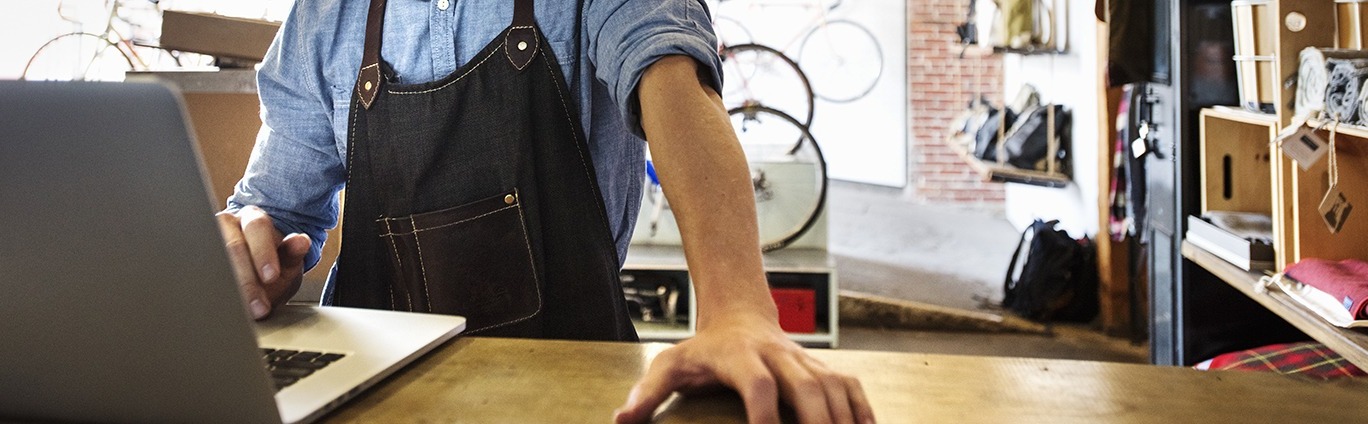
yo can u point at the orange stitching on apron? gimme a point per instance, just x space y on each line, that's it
417 230
395 248
422 269
522 223
575 134
504 46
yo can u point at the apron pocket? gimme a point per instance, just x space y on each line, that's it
473 260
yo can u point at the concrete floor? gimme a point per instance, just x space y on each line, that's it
944 256
886 244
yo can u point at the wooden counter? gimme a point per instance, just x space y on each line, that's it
483 380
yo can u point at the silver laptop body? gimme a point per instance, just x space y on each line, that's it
117 301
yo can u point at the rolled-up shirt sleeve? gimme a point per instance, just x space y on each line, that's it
627 36
295 169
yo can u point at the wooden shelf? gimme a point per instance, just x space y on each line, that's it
1356 131
1241 115
671 258
653 331
1007 173
1351 344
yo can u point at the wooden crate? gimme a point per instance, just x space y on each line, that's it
1255 50
1351 23
1236 169
1310 236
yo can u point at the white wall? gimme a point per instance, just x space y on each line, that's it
864 140
1071 79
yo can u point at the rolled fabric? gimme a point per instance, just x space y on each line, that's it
1342 92
1362 107
1313 76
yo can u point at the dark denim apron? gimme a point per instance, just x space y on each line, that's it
474 195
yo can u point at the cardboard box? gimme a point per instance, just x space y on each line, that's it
225 115
217 35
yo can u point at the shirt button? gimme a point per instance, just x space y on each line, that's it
443 4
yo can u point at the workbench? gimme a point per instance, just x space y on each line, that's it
487 380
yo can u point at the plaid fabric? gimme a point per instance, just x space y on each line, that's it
1306 358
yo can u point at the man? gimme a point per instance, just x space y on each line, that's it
492 158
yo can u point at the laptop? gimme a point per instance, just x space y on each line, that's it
117 301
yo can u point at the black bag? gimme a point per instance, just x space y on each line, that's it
1058 280
986 137
1028 142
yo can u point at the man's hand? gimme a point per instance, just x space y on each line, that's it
269 267
703 171
753 356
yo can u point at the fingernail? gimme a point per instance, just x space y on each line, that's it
259 308
268 273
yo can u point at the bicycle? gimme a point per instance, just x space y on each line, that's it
755 71
104 55
843 58
790 181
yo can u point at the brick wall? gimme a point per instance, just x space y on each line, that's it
940 84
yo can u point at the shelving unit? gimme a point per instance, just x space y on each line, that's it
1353 345
791 267
1243 169
996 172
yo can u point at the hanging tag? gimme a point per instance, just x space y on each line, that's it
1301 143
1140 146
1335 209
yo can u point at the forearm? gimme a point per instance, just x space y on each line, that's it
707 182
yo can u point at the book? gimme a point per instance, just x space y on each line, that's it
1247 253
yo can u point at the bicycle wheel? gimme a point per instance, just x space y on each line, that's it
78 56
730 32
845 59
757 74
790 181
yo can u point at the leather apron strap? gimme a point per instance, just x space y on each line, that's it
368 80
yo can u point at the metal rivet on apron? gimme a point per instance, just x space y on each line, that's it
367 86
509 199
522 45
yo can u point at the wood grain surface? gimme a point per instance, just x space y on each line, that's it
486 380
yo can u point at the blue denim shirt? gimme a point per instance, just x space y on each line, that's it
306 81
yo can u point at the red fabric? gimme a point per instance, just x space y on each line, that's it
1307 358
797 309
1346 280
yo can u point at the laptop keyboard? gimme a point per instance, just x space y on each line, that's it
288 366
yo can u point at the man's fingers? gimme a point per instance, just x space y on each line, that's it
845 394
241 259
837 390
753 380
263 240
864 414
801 389
660 380
292 251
